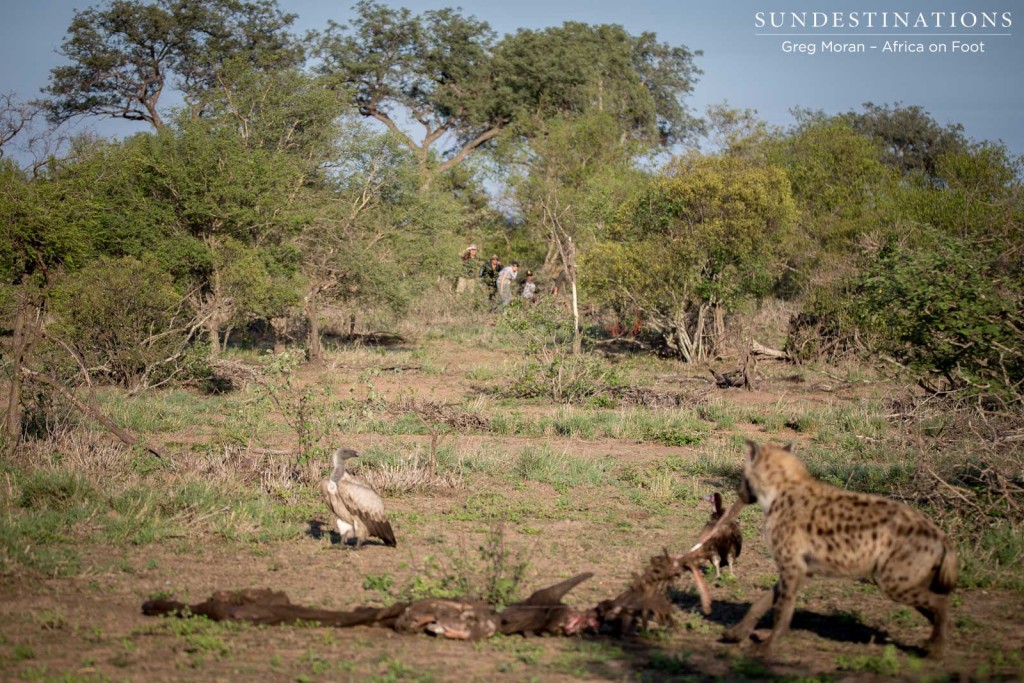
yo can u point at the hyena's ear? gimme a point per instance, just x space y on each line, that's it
788 447
753 451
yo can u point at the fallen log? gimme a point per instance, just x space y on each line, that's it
759 349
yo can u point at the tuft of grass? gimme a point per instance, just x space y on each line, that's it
492 506
561 471
886 664
992 557
51 620
54 490
394 671
381 583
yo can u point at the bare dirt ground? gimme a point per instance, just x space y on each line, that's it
90 627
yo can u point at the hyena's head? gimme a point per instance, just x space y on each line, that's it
767 470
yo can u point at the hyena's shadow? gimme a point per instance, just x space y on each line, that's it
840 626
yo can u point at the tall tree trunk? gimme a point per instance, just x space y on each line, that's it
577 339
227 336
24 334
213 334
718 335
700 352
313 316
689 344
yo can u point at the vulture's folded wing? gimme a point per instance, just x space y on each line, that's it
364 502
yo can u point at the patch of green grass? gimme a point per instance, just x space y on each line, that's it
561 471
886 664
992 557
902 617
492 574
54 490
381 583
587 658
22 653
485 373
712 462
669 664
36 540
52 510
318 665
198 635
523 650
722 414
153 412
491 506
51 620
749 667
771 420
395 671
657 483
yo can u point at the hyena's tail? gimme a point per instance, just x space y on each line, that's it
944 580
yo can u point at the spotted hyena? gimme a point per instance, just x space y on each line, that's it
813 528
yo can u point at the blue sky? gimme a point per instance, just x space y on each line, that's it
984 91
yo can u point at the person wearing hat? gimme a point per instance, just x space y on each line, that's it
505 279
529 291
489 275
470 263
466 279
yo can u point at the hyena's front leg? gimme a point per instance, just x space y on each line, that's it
785 604
745 627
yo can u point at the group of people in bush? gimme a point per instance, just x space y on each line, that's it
501 281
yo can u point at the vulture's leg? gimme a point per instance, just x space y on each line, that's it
343 529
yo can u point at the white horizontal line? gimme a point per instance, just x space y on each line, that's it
889 35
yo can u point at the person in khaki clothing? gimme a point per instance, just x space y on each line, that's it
467 278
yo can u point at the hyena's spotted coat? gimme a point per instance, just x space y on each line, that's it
813 528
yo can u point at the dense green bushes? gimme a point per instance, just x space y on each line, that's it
948 307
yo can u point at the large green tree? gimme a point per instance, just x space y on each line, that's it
695 243
123 55
944 293
450 74
912 139
47 227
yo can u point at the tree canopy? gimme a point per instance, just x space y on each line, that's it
123 55
701 239
451 75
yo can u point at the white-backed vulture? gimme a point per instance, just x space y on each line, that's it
358 510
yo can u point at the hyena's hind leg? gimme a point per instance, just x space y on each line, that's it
928 594
783 596
934 607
